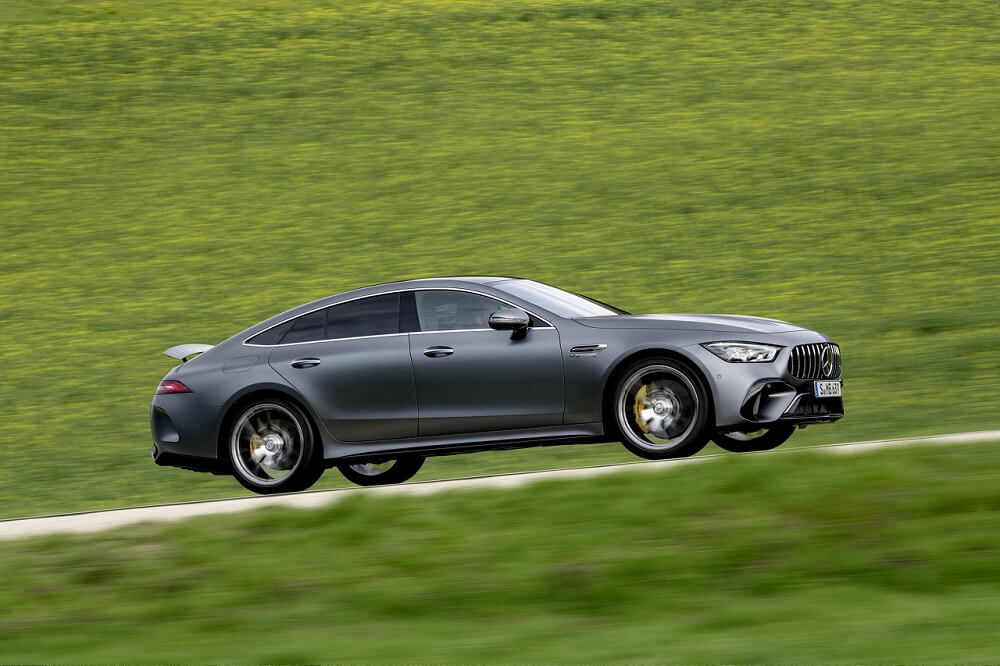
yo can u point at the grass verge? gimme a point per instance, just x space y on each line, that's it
889 556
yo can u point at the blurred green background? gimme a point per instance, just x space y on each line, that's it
177 171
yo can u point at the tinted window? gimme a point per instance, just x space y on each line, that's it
377 315
408 313
306 328
455 310
271 336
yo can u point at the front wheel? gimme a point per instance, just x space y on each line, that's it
272 448
379 473
764 439
661 409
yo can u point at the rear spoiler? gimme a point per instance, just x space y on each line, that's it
185 352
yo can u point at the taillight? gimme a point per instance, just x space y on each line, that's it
171 386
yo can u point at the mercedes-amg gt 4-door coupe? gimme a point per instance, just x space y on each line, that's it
373 381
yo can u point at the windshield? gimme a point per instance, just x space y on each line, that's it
557 301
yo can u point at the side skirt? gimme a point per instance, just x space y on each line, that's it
585 433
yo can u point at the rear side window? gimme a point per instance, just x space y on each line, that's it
271 336
376 315
307 328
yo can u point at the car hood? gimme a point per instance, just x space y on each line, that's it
692 322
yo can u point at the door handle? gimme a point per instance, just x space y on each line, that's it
305 363
438 352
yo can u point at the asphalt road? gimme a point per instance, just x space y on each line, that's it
98 521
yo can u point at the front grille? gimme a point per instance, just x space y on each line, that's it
815 361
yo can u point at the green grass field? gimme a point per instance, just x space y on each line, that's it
176 171
885 557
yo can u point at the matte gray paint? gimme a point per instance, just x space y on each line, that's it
362 390
687 322
381 394
492 381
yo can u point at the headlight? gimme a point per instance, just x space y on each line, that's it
742 352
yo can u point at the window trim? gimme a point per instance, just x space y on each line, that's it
477 330
386 335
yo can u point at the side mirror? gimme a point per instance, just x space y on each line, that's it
510 320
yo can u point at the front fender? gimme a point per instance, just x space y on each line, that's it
668 350
588 375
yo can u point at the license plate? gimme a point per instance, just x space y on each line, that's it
827 389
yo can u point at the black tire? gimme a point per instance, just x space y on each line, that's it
382 472
738 442
273 448
676 406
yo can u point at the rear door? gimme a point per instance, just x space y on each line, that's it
470 378
352 364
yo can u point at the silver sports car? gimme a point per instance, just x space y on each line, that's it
374 380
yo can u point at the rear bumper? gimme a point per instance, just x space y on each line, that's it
193 463
185 433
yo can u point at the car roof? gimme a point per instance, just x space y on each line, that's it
374 289
478 279
416 283
370 290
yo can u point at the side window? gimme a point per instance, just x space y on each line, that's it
376 315
455 310
307 328
271 336
408 322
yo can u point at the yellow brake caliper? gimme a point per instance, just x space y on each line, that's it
640 397
255 443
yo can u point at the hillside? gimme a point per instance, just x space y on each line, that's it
177 171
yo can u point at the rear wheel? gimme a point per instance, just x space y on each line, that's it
661 409
764 439
272 448
372 473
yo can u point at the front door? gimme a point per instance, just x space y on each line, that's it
471 378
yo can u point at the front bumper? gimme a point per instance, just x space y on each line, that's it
749 396
777 400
